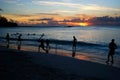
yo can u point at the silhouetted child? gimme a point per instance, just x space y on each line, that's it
7 39
112 47
47 46
74 46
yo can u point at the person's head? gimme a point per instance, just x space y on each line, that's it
113 40
74 37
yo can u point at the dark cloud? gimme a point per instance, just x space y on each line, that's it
22 15
105 20
1 9
48 22
94 21
43 19
73 20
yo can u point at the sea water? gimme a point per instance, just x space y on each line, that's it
91 40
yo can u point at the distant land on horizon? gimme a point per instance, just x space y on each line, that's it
96 21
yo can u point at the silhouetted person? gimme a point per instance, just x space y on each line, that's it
41 45
112 47
19 39
7 39
74 46
47 46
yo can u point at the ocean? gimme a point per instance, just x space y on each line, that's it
92 40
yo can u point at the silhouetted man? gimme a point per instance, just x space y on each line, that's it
19 41
7 39
74 46
112 47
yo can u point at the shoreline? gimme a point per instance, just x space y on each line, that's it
19 65
79 55
82 56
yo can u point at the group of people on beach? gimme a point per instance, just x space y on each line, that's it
112 46
41 41
41 45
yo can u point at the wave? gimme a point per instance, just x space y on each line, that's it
66 45
58 42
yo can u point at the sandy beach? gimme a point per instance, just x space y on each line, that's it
59 39
79 55
25 65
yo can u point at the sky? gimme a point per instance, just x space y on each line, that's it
31 12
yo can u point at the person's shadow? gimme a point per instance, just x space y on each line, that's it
73 53
7 45
19 47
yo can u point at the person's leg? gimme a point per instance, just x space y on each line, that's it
112 61
108 58
72 48
43 47
75 48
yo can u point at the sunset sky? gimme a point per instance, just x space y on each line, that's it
32 12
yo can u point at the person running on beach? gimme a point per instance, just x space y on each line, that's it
47 46
112 47
7 39
41 45
74 46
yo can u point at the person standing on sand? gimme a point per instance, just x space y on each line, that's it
7 39
74 46
19 42
112 47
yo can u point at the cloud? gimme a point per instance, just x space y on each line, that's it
90 7
42 19
35 14
21 15
46 19
55 3
65 11
47 13
11 1
16 2
72 20
1 9
96 7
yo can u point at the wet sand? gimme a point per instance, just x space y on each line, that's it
20 65
79 55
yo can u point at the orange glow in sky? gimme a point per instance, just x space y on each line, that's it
83 24
58 12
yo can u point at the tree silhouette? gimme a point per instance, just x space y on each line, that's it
5 23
